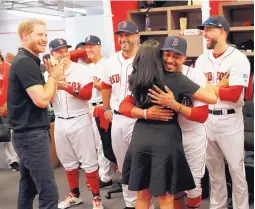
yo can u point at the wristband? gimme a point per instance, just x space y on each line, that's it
76 91
107 108
170 104
145 114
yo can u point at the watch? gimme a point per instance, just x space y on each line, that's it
76 91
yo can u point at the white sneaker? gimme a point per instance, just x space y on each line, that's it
97 203
70 201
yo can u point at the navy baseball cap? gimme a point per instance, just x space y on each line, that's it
215 22
127 27
94 40
176 44
79 45
58 43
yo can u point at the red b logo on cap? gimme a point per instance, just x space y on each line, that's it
60 41
175 42
124 24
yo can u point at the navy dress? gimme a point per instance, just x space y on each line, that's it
155 159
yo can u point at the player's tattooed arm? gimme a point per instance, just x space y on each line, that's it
166 99
106 95
128 108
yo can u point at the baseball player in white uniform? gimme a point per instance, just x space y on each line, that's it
114 90
93 50
194 143
73 133
225 128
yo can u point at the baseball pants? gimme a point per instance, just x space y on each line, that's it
226 139
106 168
194 144
122 128
10 153
75 143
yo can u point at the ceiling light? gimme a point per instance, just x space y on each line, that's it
82 11
20 13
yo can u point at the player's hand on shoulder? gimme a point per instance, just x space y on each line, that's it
160 97
108 115
159 113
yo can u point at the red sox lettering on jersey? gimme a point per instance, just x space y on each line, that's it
117 76
232 61
65 105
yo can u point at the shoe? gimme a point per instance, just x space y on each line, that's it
97 203
106 185
70 201
14 166
129 208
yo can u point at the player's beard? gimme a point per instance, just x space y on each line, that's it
212 43
126 46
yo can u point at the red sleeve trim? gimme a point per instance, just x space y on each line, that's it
126 106
248 96
84 93
230 94
76 54
105 86
199 114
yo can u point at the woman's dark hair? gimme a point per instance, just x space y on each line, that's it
147 71
1 58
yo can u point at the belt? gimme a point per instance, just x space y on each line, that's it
70 117
117 112
46 128
96 103
222 112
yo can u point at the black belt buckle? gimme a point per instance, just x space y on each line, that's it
222 112
116 112
96 103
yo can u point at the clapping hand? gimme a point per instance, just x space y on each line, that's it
224 83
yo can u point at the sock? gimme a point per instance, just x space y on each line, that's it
194 202
179 201
93 182
73 180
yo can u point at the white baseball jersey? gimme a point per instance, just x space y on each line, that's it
117 76
232 61
97 71
200 79
66 105
84 63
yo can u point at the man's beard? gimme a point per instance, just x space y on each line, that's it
212 44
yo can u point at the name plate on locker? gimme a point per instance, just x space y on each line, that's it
191 32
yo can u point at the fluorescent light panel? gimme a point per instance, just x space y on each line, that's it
82 11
